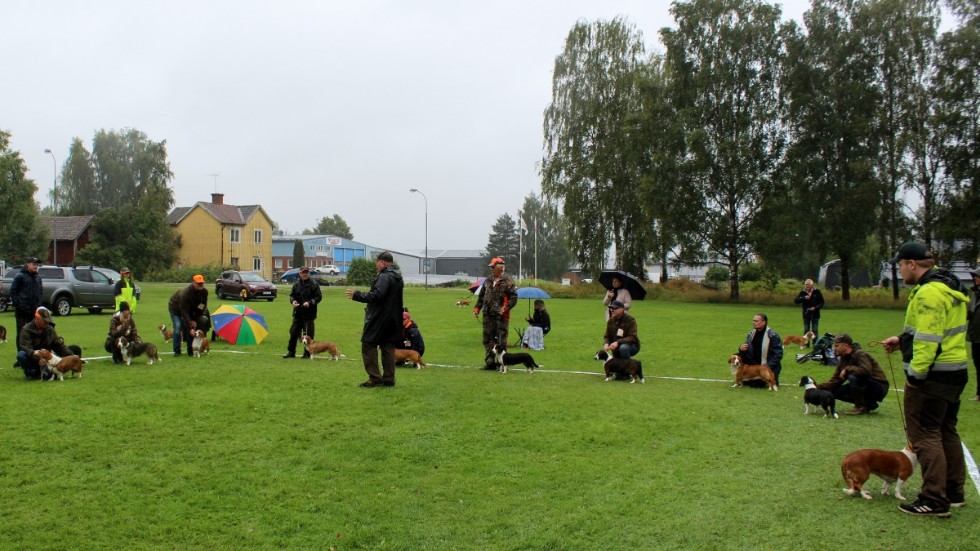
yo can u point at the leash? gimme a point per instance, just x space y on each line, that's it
901 412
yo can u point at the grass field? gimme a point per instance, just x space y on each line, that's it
244 449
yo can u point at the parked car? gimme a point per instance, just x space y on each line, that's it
291 275
329 269
244 285
64 288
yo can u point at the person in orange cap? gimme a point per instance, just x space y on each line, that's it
497 296
186 306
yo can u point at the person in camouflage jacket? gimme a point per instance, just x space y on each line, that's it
497 296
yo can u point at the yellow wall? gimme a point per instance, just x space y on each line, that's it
205 241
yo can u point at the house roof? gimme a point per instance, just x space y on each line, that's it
232 215
69 228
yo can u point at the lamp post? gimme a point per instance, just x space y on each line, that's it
425 266
54 209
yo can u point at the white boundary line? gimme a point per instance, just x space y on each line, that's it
971 464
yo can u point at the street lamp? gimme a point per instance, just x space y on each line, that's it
425 266
54 209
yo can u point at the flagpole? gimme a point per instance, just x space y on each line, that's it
520 245
535 251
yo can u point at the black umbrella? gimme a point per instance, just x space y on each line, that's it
629 281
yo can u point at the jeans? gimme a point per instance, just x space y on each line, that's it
862 392
181 334
626 351
811 324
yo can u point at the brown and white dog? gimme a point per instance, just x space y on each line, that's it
133 349
462 303
200 344
166 333
59 365
742 373
803 341
613 365
890 466
319 347
3 334
406 355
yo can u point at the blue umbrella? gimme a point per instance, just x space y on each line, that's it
529 293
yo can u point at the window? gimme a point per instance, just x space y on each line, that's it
235 234
278 263
234 261
258 236
257 264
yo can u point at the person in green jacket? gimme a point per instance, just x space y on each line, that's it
933 348
126 291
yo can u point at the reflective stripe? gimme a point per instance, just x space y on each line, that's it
909 329
929 338
949 366
955 330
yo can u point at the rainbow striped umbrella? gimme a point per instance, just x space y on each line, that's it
239 324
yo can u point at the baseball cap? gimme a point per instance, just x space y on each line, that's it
198 278
496 260
33 260
125 270
843 338
304 269
911 251
44 313
386 256
616 304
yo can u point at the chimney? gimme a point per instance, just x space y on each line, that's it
218 198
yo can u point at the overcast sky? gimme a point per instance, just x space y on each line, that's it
310 108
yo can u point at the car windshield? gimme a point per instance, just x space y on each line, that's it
252 277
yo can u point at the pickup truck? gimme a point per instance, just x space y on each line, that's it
64 288
245 286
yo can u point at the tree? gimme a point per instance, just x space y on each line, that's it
361 271
22 233
78 195
503 240
724 62
143 245
299 254
588 166
831 113
328 225
545 253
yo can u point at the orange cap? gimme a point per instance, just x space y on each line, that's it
198 278
496 260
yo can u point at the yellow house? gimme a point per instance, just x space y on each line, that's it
226 235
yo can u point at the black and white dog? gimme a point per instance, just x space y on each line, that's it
813 396
132 349
618 368
504 359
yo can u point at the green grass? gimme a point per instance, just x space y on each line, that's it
249 450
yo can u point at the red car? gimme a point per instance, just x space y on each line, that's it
245 286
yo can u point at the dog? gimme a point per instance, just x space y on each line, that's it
803 341
406 355
167 334
742 373
505 359
3 334
133 349
319 347
59 365
890 466
200 344
614 366
813 396
462 303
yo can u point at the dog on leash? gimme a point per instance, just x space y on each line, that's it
200 344
3 334
813 396
133 349
505 359
462 303
319 347
59 365
614 366
890 466
742 373
406 355
803 341
166 333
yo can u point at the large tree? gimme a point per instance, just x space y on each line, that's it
724 62
503 241
331 225
588 166
831 113
545 251
22 234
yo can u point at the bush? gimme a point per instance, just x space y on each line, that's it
361 272
185 274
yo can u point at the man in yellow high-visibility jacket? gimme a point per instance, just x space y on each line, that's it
125 291
933 347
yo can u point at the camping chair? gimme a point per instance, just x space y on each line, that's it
823 351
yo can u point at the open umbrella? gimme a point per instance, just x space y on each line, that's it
629 281
239 324
475 288
531 293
